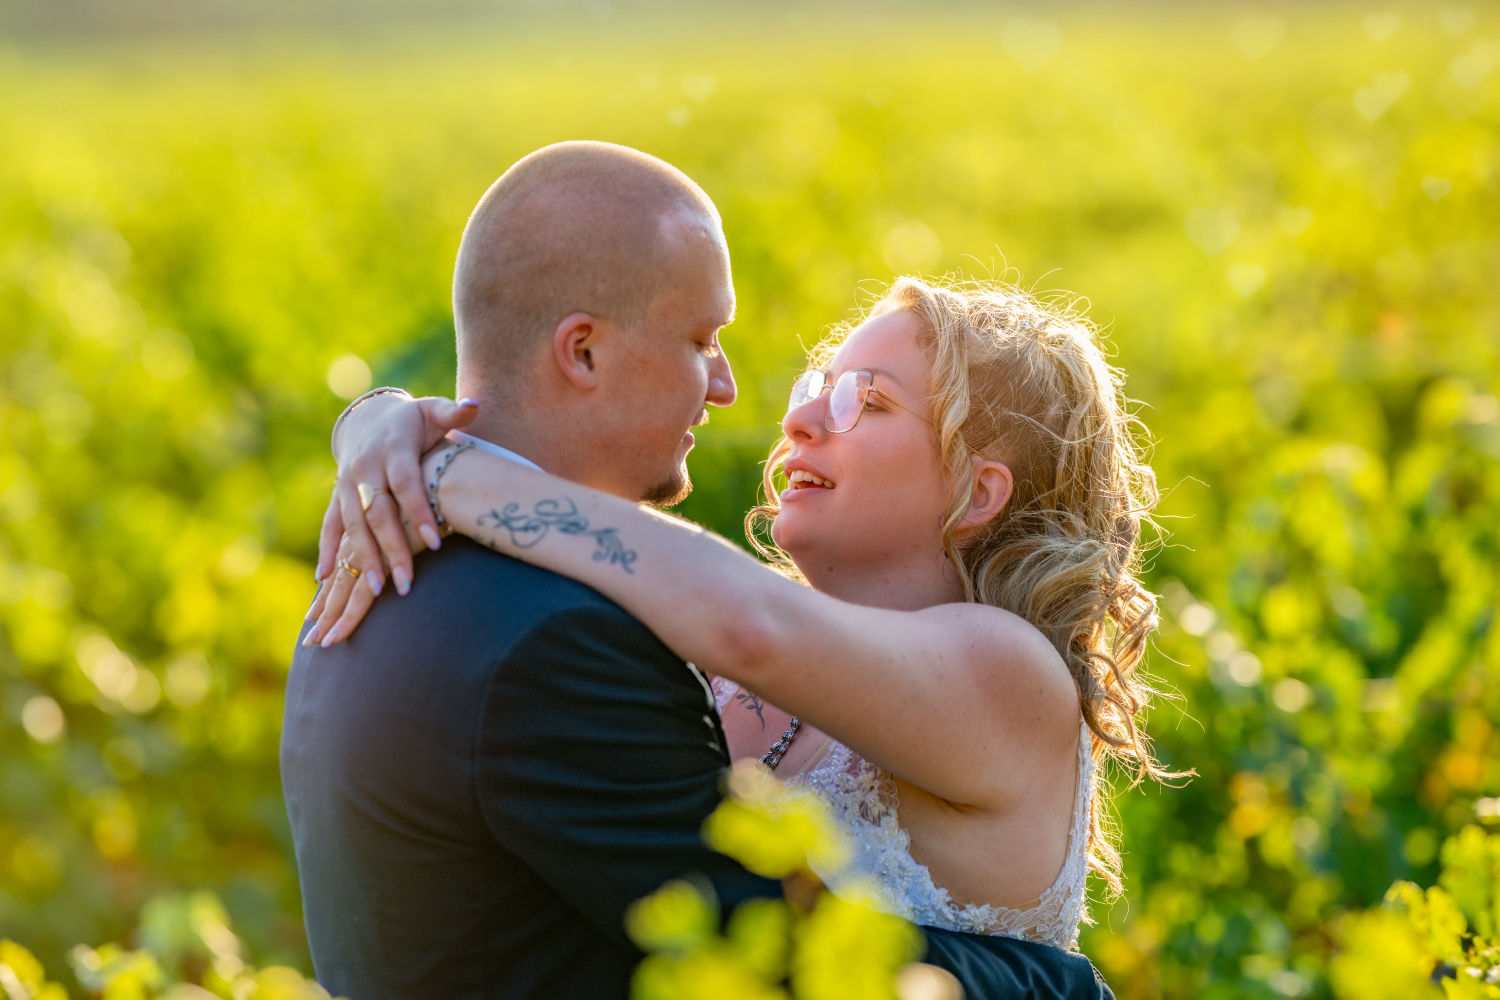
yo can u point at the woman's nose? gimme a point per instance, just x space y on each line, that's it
804 421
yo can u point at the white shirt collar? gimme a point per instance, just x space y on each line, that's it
493 448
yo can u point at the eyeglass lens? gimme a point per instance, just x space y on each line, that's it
845 402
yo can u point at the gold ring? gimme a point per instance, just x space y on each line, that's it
368 493
348 567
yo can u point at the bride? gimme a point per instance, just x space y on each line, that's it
964 495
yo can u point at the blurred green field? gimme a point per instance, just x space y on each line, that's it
1287 221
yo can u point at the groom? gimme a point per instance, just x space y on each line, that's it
488 773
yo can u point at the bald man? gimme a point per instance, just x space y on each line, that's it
484 777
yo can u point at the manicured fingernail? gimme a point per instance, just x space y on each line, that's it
331 638
372 580
318 573
312 637
466 401
430 536
403 582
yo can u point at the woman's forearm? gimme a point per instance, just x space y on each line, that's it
710 602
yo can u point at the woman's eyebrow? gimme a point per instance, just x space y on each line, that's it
886 375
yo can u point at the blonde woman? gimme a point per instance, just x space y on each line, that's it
964 498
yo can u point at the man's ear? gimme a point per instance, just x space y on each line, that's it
574 341
992 490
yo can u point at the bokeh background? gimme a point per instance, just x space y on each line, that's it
220 221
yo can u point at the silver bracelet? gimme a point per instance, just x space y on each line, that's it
334 434
437 477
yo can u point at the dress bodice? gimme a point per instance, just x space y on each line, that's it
864 803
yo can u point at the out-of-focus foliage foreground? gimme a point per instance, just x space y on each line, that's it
1286 222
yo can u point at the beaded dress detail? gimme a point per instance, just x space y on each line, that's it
863 800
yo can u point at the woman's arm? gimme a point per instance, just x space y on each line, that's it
952 698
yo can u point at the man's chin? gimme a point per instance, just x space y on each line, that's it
669 492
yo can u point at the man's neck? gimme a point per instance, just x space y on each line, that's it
554 445
495 449
498 427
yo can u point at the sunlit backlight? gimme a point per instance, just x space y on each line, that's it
1378 96
1473 67
699 87
911 247
1213 230
1221 645
1246 279
43 719
1291 695
920 981
91 303
1382 27
1256 37
349 376
1306 833
188 680
112 671
144 694
1244 669
1196 619
1031 42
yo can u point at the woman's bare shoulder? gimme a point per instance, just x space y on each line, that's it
1013 661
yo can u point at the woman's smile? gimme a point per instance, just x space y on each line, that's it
802 480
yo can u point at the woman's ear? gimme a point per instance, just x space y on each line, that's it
573 343
992 489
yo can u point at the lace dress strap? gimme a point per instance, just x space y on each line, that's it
863 799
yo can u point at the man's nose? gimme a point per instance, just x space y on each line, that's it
721 387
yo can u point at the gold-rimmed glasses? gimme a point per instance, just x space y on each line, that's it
847 397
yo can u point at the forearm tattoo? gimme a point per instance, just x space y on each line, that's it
754 704
560 515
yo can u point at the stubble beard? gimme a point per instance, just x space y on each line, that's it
671 491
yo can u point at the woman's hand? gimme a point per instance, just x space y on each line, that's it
378 496
341 604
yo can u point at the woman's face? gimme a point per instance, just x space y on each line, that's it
878 493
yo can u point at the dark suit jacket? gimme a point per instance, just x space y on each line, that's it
488 773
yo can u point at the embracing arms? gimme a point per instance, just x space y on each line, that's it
951 698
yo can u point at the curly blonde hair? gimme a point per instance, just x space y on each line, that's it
1026 384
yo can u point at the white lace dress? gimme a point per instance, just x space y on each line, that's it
863 800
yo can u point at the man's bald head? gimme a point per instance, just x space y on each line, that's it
573 227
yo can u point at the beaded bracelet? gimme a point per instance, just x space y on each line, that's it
334 435
437 477
773 756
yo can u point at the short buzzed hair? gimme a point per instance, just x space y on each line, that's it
572 227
